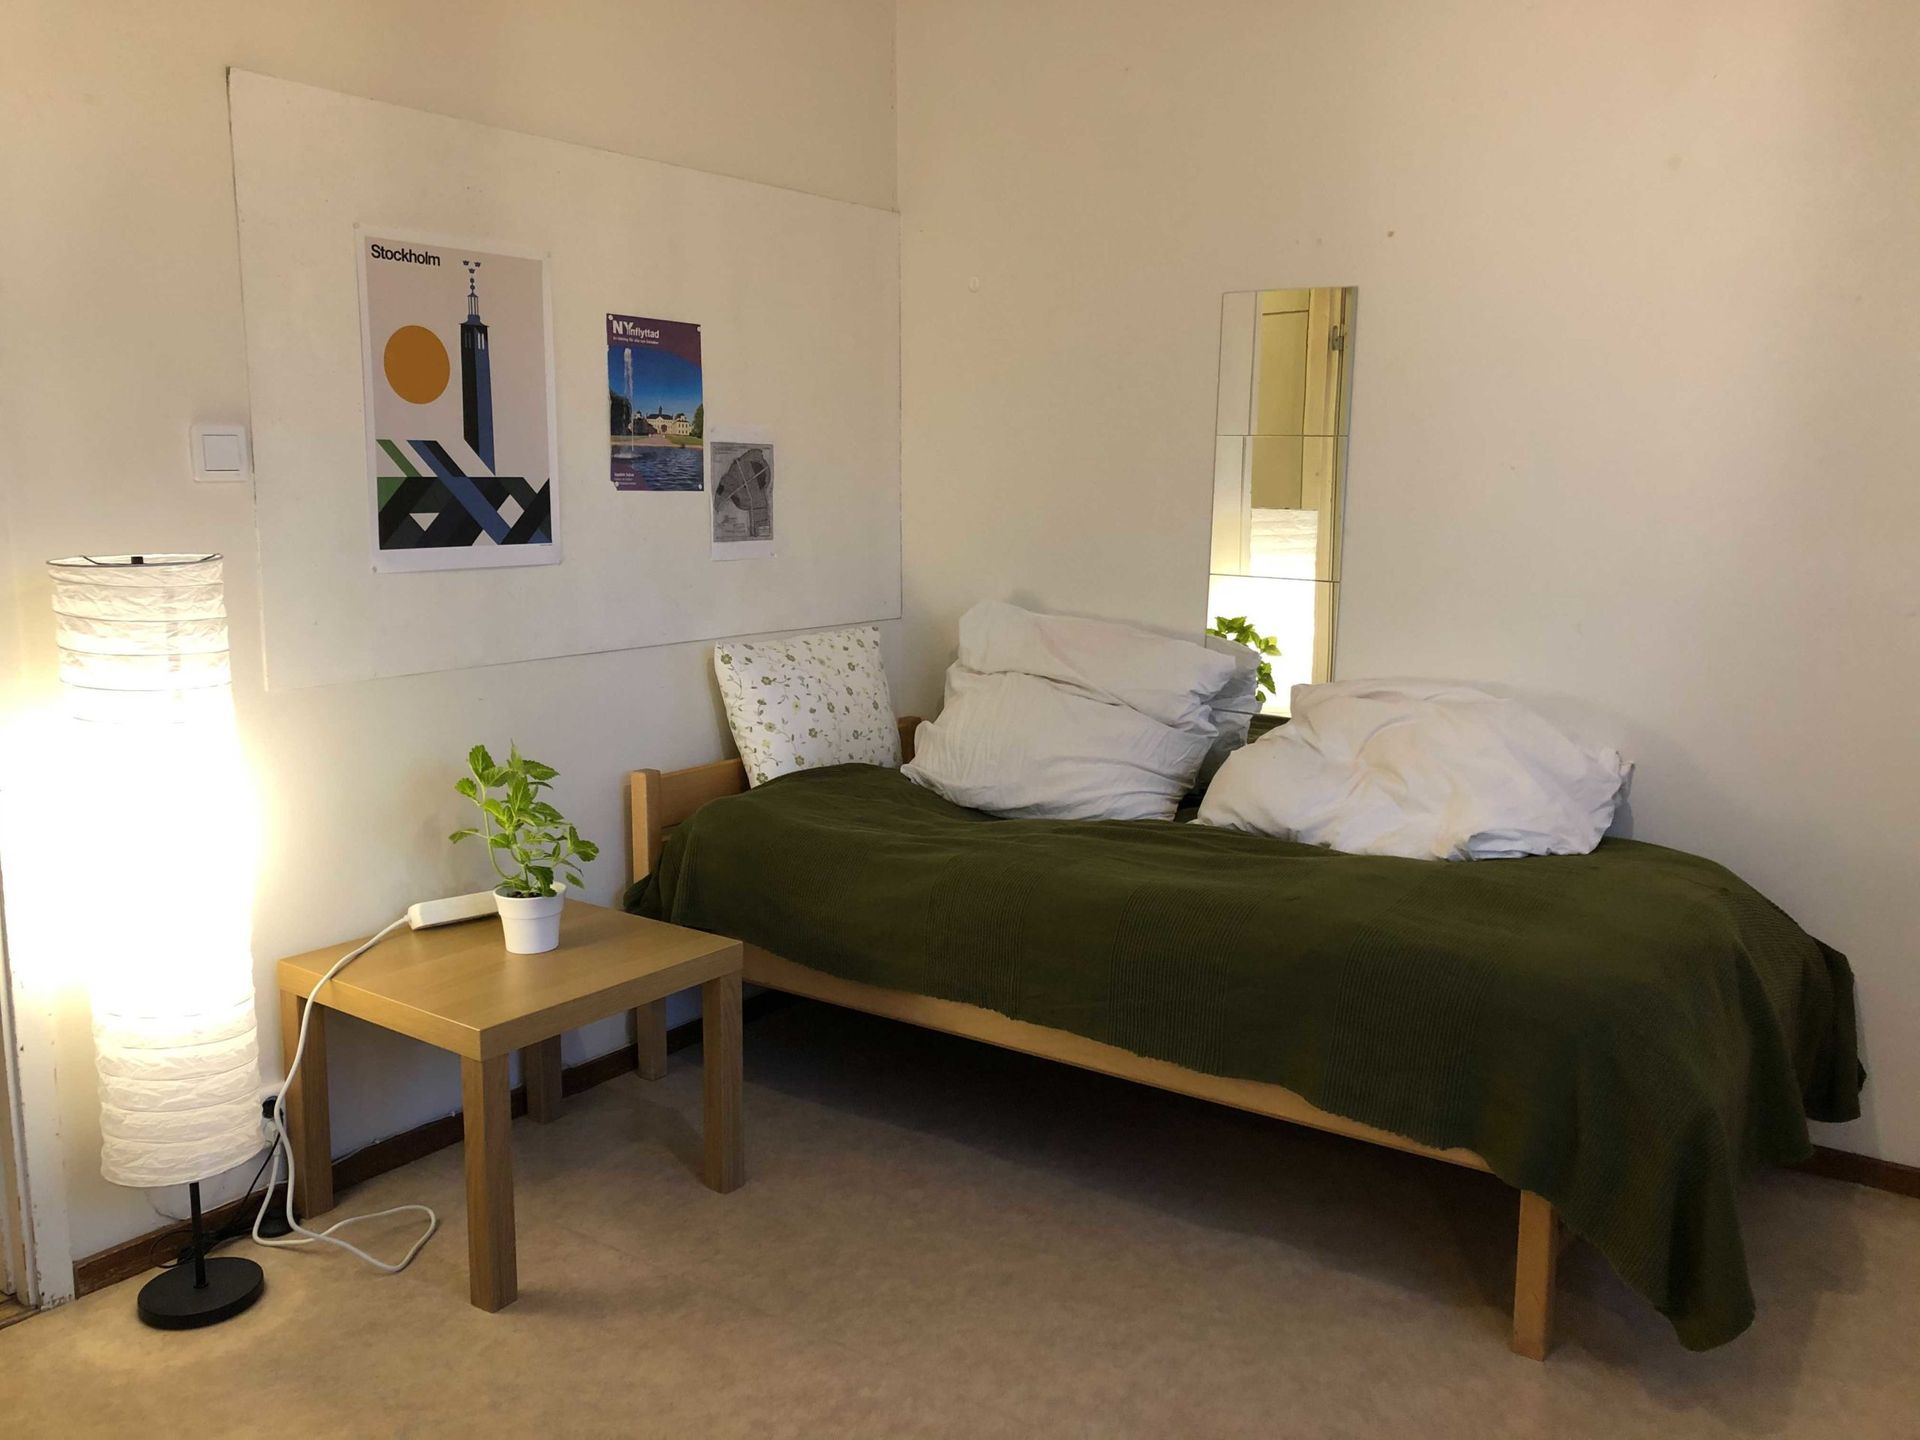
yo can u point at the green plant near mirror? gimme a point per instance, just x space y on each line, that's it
521 828
1237 629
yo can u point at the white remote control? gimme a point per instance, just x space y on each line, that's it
451 911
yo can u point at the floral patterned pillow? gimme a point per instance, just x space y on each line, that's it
808 701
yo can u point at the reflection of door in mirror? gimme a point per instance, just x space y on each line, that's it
1286 366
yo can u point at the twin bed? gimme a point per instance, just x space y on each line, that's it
1620 1036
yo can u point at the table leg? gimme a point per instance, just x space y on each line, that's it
650 1039
720 1062
309 1118
541 1065
492 1271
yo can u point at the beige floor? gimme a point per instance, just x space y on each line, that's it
940 1239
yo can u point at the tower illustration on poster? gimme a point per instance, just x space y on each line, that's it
461 470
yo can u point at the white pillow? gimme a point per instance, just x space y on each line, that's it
808 701
1171 681
1422 770
1233 708
1023 746
1051 717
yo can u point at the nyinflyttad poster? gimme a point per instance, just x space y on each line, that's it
461 441
657 415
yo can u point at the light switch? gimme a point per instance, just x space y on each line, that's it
221 452
218 452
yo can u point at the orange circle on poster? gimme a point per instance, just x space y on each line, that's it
416 364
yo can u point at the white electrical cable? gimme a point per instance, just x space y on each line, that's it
283 1147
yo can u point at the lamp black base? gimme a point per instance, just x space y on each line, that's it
171 1300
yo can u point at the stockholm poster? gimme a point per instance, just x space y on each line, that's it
460 433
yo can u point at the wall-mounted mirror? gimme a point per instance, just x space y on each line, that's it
1280 454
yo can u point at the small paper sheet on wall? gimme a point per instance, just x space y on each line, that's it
743 496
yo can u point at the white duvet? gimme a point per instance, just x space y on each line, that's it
1419 769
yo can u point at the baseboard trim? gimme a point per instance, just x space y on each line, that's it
1868 1170
140 1254
143 1252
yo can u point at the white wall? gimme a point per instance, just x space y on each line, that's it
808 348
1634 386
120 322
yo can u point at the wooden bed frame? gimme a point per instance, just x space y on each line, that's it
663 799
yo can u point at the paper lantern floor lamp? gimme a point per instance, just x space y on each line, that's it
144 668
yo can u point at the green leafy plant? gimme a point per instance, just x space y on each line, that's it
1238 629
521 827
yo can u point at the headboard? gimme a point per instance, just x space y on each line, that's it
658 800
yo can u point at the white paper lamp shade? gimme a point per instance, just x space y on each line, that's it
143 662
142 643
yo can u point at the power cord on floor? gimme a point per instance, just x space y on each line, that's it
283 1146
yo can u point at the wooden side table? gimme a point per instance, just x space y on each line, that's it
456 987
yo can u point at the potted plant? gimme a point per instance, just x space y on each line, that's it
532 838
1238 629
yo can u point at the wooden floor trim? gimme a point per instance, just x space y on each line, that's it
136 1256
992 1028
143 1252
1868 1170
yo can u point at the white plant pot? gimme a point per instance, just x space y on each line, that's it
531 924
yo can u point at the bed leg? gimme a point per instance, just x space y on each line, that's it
1534 1260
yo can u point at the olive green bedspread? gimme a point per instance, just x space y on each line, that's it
1625 1032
